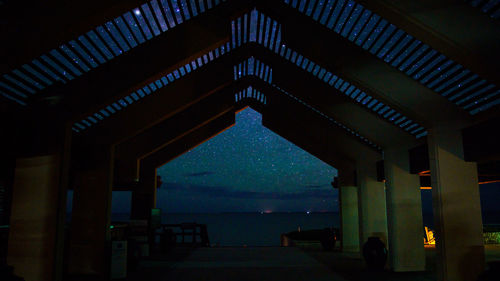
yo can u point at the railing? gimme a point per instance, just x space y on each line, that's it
196 233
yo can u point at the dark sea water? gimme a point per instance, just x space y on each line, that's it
251 229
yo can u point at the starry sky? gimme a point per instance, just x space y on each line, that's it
247 168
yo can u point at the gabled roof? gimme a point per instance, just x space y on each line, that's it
79 71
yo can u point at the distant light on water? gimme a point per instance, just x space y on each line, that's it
308 212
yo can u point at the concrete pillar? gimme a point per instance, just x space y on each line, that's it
457 208
38 207
404 212
371 203
33 221
349 218
144 195
91 216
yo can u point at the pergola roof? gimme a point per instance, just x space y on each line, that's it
353 60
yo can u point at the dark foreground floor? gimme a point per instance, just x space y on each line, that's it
264 263
273 263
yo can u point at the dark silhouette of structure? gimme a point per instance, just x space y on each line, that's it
96 95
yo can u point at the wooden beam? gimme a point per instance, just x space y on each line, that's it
189 141
312 132
49 24
142 65
166 102
129 153
472 40
331 101
352 63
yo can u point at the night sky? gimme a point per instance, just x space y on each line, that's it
247 168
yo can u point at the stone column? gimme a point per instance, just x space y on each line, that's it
39 191
371 203
91 215
349 218
404 212
457 208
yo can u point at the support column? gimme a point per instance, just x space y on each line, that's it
38 207
144 195
349 218
91 215
404 212
371 204
457 208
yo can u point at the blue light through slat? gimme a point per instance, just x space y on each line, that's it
94 38
477 93
151 20
398 48
185 9
74 58
459 85
125 31
193 8
326 12
374 34
57 67
142 23
28 79
15 91
343 17
65 62
19 84
93 51
176 11
351 20
129 18
37 74
382 38
159 15
469 88
90 59
421 62
413 57
105 35
116 35
429 66
335 13
368 29
390 43
359 25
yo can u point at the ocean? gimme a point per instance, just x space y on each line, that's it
256 229
250 229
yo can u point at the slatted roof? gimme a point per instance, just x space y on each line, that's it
253 67
150 89
346 18
403 51
98 46
489 7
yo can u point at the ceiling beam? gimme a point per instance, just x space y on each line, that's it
285 116
331 101
168 101
359 67
139 67
49 24
451 27
188 141
129 153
